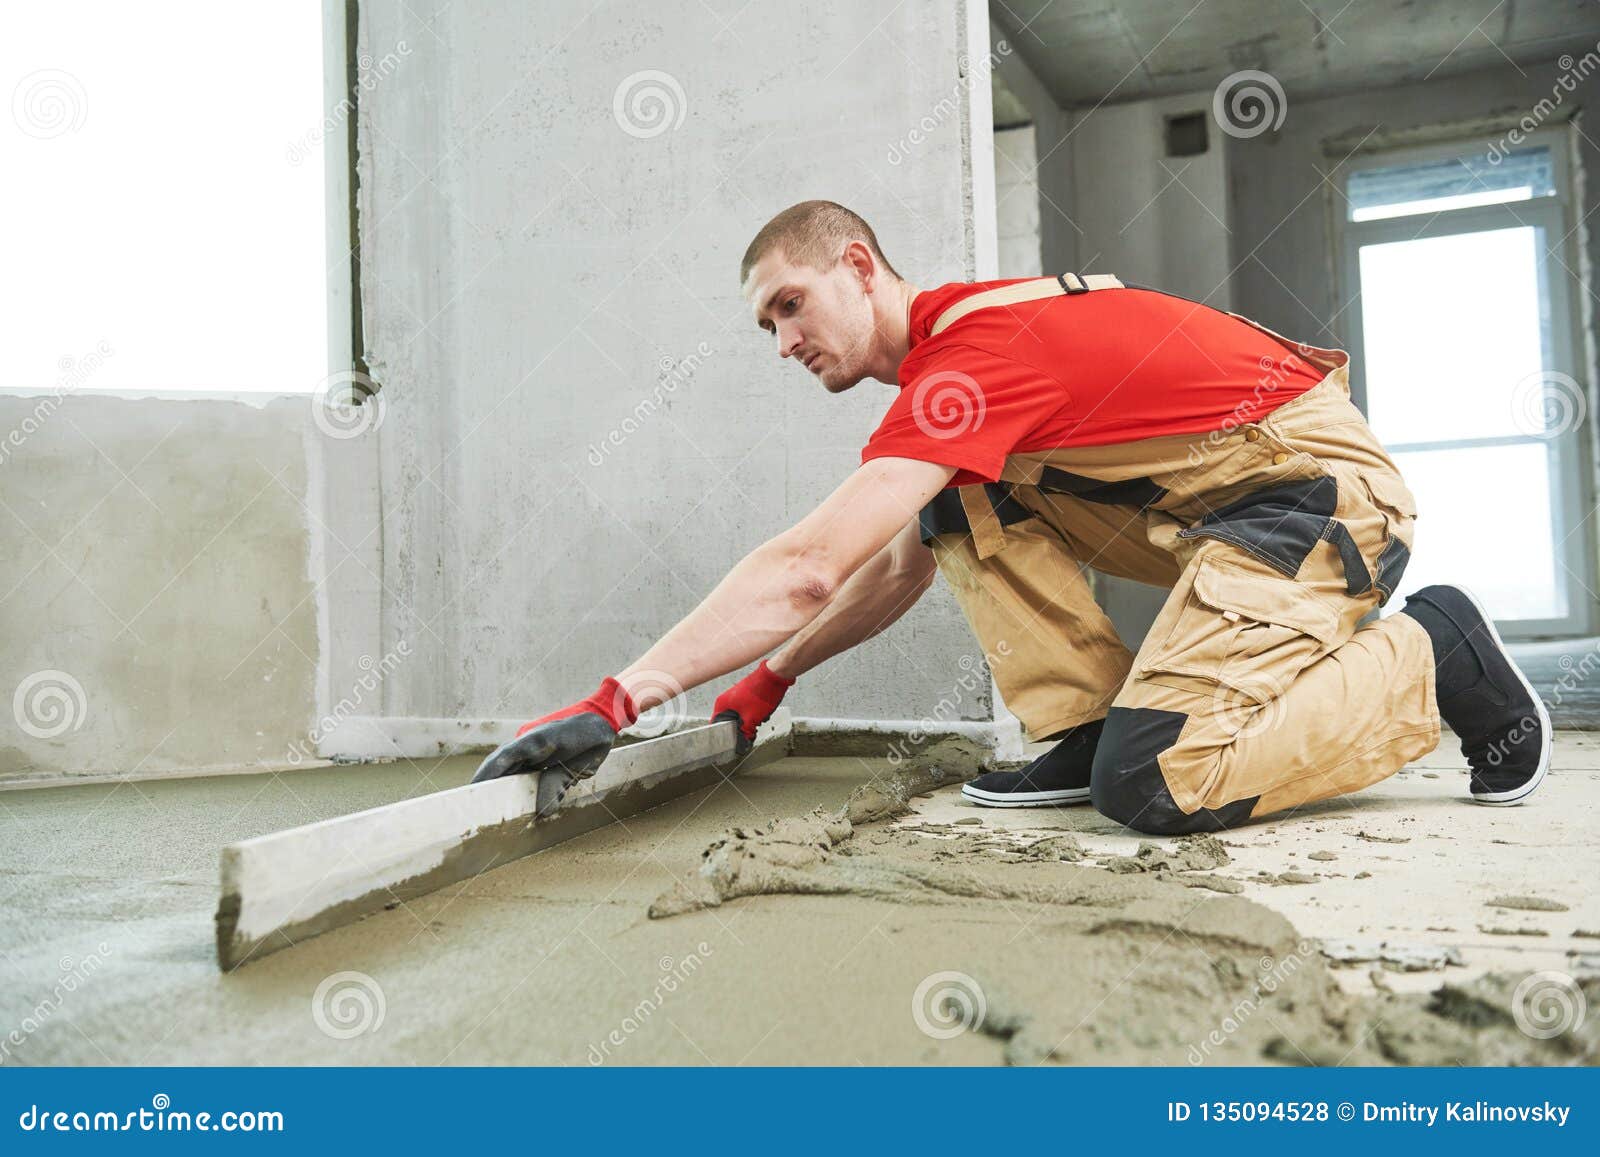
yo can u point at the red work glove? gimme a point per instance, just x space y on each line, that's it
610 702
752 700
570 744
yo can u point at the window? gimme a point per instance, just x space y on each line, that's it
165 204
1458 271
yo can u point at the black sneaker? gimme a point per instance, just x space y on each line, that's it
1502 723
1058 777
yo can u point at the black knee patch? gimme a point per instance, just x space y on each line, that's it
1126 783
1283 524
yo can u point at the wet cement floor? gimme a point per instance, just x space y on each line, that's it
871 942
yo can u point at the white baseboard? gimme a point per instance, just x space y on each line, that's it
984 732
372 737
410 737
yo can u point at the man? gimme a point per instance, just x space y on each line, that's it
1052 424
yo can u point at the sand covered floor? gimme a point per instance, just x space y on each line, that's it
848 931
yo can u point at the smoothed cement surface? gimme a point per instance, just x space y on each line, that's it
107 895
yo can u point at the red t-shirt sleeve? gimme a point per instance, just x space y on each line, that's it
965 407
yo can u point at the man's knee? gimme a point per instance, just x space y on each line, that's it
1127 785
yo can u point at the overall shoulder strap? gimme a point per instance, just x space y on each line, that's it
1032 290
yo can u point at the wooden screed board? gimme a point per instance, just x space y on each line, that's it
279 889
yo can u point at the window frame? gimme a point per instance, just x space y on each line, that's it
1571 480
339 83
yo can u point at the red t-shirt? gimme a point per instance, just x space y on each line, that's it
1086 369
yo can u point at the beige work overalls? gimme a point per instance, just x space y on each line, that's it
1256 689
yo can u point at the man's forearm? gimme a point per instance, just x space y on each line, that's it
761 603
784 584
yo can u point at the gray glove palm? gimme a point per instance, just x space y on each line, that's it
561 752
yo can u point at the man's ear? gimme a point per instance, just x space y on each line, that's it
859 258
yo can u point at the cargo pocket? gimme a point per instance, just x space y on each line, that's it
1394 500
1251 633
1390 493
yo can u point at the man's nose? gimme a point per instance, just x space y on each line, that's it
788 341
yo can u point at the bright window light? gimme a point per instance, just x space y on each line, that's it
164 196
1418 298
1463 346
1440 204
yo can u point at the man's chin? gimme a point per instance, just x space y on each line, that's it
834 383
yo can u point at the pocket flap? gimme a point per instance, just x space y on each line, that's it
1388 488
1265 599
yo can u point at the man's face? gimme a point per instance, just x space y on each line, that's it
821 319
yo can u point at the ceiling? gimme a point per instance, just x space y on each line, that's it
1092 51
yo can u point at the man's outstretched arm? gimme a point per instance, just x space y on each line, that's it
774 592
786 583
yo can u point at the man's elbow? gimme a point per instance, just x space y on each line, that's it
811 577
811 590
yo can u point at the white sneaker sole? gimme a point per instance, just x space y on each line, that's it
1025 798
1516 794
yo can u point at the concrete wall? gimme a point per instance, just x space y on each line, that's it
1016 180
1144 216
583 427
1059 233
157 568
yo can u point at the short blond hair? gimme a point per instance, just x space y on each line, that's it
812 233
